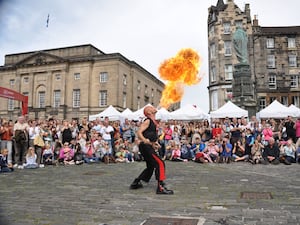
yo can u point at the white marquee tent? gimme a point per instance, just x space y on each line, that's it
229 110
111 112
294 110
274 110
189 112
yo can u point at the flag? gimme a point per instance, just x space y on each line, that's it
47 20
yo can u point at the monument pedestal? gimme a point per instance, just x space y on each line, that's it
243 88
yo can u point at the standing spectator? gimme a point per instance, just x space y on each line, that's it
297 130
21 141
249 141
235 130
126 129
6 131
107 132
290 129
66 132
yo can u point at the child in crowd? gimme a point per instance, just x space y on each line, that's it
176 154
66 155
89 153
31 159
4 166
256 152
48 154
226 150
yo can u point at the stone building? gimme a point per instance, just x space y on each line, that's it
272 57
75 82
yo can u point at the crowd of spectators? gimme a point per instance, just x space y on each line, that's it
28 143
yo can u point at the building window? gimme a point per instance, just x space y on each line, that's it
41 99
227 47
226 27
12 82
138 102
212 51
103 77
124 100
284 100
295 100
146 89
11 104
57 77
76 98
291 43
271 61
228 72
213 76
214 100
25 80
152 93
262 103
211 31
292 61
124 79
272 82
138 85
294 81
103 98
76 76
56 99
239 24
270 43
229 94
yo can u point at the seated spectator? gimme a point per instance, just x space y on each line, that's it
135 150
226 150
176 154
31 159
123 155
89 155
48 155
197 147
298 155
239 152
256 152
186 152
288 153
271 153
78 154
66 155
107 153
212 150
4 166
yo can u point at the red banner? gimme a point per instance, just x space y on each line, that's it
11 94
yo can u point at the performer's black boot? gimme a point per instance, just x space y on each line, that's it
136 184
162 189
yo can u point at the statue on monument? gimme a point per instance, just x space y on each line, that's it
240 42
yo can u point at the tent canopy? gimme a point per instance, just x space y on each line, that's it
189 112
294 110
229 110
275 110
112 113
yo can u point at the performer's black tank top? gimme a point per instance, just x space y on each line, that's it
150 132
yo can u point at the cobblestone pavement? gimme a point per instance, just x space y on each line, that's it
236 193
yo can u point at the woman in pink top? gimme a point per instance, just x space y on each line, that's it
267 133
297 127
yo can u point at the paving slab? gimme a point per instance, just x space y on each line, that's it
97 194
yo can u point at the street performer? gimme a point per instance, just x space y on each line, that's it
147 133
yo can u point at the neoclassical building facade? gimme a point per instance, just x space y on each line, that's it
75 82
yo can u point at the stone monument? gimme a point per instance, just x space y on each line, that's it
243 87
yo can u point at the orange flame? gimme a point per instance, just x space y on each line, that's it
179 71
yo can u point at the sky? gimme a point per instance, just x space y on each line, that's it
144 31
